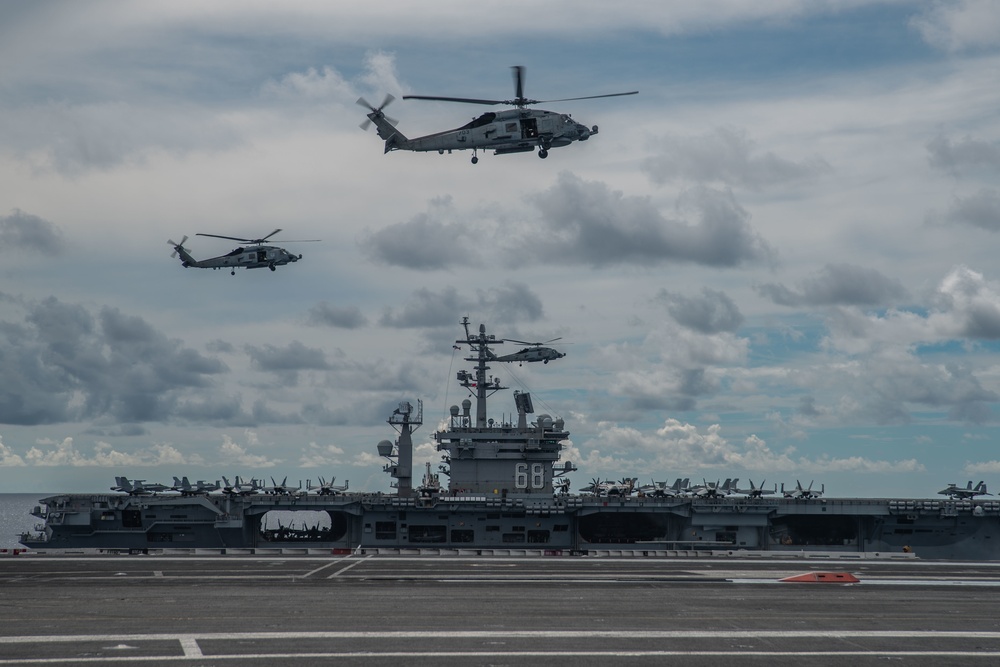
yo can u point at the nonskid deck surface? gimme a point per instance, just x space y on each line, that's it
371 609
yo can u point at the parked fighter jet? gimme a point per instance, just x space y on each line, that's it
757 491
137 487
200 487
953 491
805 494
327 488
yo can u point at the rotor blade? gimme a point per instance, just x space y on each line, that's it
465 100
518 81
588 97
366 124
386 101
301 241
269 235
231 238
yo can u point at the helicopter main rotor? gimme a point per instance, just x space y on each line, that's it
524 342
520 101
254 241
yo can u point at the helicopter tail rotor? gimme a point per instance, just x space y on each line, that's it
177 246
377 112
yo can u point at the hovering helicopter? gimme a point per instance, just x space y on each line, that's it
256 257
517 130
534 352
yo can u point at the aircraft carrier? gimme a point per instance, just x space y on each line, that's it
507 492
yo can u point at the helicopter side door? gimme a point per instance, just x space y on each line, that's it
529 128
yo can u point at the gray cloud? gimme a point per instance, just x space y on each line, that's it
513 302
326 315
580 223
837 284
890 384
955 156
23 231
588 223
64 364
958 26
293 357
421 244
979 210
712 312
725 156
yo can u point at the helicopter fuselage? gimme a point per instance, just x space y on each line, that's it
534 353
510 131
255 257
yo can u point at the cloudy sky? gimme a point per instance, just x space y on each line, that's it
778 261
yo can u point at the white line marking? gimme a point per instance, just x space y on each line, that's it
345 569
192 650
526 634
323 567
479 655
190 646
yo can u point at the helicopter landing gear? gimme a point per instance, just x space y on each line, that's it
475 158
542 153
233 272
271 266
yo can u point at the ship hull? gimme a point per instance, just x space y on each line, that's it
958 530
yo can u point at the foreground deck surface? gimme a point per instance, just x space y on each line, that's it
391 610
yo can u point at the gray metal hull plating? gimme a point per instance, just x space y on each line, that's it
961 530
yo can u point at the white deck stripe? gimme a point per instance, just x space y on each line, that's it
323 567
345 569
526 634
509 654
190 646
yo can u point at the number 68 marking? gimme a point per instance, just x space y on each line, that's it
522 480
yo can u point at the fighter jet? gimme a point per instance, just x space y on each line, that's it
968 492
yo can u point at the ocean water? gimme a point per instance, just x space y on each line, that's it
15 516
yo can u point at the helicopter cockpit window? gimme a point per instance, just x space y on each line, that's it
238 251
485 119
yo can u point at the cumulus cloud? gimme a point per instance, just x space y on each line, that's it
324 84
512 302
725 156
322 456
982 467
8 458
432 240
965 154
232 453
588 223
65 453
22 231
292 357
712 312
341 317
682 446
64 363
978 210
577 223
672 367
837 284
959 25
968 305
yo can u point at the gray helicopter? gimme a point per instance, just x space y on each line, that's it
534 352
518 130
255 256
